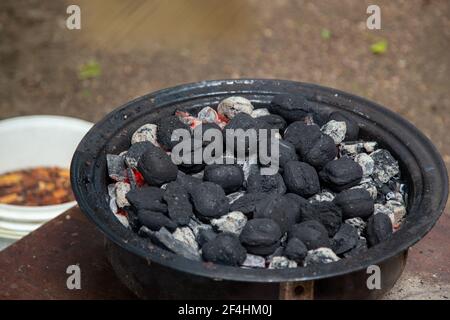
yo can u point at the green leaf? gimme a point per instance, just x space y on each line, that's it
89 70
325 34
379 47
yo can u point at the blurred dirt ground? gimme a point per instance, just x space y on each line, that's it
139 46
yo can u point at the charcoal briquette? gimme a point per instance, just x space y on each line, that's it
341 174
323 151
312 233
247 203
355 203
225 249
328 214
272 121
261 236
209 200
302 136
229 176
278 208
296 250
156 167
301 178
155 220
292 107
147 198
258 182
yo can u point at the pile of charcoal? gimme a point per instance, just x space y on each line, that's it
333 197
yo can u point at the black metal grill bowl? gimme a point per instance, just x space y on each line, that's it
152 272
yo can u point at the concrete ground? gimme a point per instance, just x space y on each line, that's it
141 46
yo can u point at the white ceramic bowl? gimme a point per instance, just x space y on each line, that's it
31 141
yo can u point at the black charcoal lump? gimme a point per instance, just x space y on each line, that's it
302 136
355 203
155 220
328 214
156 166
295 250
278 208
341 174
226 249
178 205
147 198
379 228
301 178
292 107
261 236
286 152
258 182
345 239
209 200
229 176
247 203
323 151
312 233
134 154
166 126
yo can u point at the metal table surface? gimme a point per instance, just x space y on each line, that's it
35 267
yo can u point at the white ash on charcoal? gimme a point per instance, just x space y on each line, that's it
319 256
186 236
333 197
280 262
369 185
232 222
399 210
166 239
254 261
122 189
353 148
197 226
147 132
209 115
112 198
232 106
385 166
358 223
366 162
352 128
336 130
322 196
260 112
232 197
134 153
